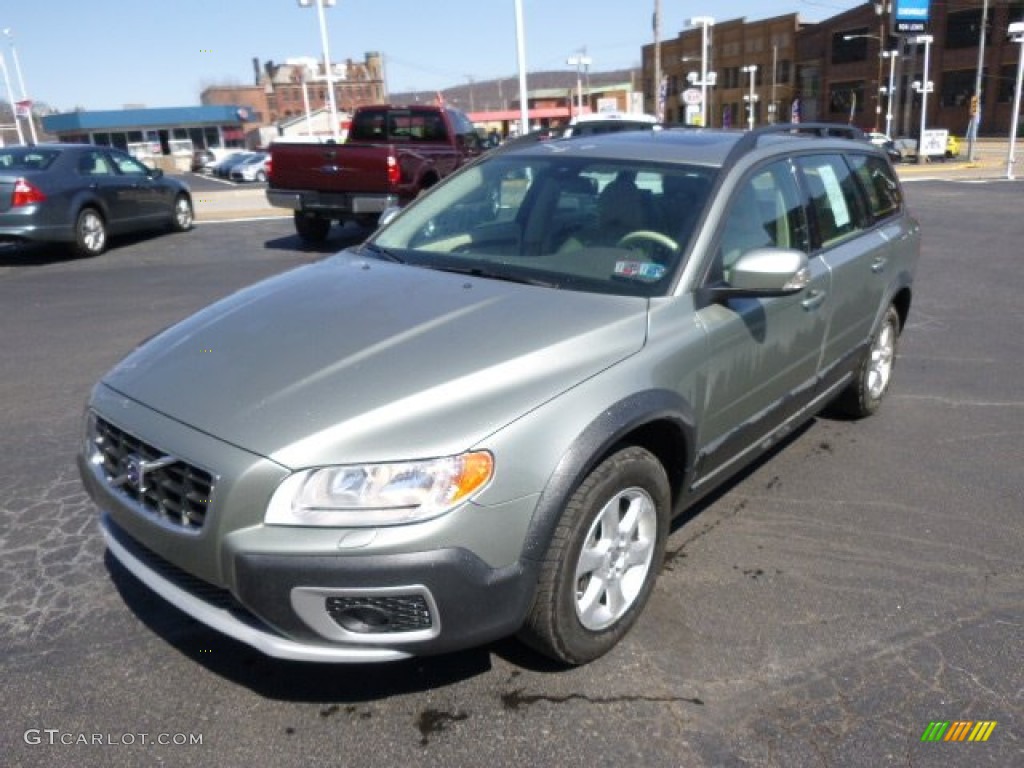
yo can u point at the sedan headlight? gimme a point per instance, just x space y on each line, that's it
364 495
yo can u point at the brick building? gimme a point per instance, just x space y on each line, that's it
277 90
836 72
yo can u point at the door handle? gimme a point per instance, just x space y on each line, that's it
814 300
878 265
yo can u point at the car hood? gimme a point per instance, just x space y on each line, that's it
355 359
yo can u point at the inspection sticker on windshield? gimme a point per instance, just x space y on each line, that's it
642 270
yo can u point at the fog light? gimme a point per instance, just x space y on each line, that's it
380 615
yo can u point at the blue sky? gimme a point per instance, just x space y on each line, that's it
108 53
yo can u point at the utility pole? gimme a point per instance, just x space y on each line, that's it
972 130
658 107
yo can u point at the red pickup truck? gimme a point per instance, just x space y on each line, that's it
390 156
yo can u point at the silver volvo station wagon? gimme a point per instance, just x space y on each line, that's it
481 421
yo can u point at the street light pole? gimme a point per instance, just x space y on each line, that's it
750 69
926 86
328 69
703 22
972 130
891 56
1016 31
21 85
524 107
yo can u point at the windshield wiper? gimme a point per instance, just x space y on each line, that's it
491 275
382 253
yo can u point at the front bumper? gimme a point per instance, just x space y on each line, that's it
287 606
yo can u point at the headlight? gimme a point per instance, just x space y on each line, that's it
379 494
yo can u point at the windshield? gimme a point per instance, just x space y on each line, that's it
573 223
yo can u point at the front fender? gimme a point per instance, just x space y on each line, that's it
629 417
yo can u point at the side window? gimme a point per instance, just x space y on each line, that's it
835 200
128 165
766 211
879 184
94 164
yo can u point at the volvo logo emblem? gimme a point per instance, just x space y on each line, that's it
135 470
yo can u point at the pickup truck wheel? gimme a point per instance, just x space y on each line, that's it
865 393
312 228
603 559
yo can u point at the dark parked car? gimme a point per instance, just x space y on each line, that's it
80 193
222 170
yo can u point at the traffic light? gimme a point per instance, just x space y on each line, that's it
974 105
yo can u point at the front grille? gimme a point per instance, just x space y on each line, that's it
167 487
395 613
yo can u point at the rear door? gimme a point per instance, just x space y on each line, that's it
856 245
100 176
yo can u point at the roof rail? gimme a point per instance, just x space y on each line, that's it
750 139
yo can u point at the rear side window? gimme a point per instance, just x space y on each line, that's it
834 195
880 185
21 159
398 125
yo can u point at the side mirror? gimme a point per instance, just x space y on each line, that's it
155 173
767 272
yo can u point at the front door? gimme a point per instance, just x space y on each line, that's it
764 353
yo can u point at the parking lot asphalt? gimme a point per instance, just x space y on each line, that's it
859 584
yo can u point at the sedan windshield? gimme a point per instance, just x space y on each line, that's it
574 223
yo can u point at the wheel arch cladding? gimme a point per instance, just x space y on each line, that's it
659 420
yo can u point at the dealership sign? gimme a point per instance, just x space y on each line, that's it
910 17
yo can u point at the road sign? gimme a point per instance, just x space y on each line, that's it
691 97
933 142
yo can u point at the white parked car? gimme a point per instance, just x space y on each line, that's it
252 169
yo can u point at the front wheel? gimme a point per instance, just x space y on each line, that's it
90 233
604 557
865 393
183 216
312 228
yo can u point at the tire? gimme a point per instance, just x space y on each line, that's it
596 578
312 228
90 233
865 393
183 216
261 176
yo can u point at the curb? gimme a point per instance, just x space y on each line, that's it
234 204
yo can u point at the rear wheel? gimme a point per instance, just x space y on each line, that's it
865 393
311 227
90 233
603 559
